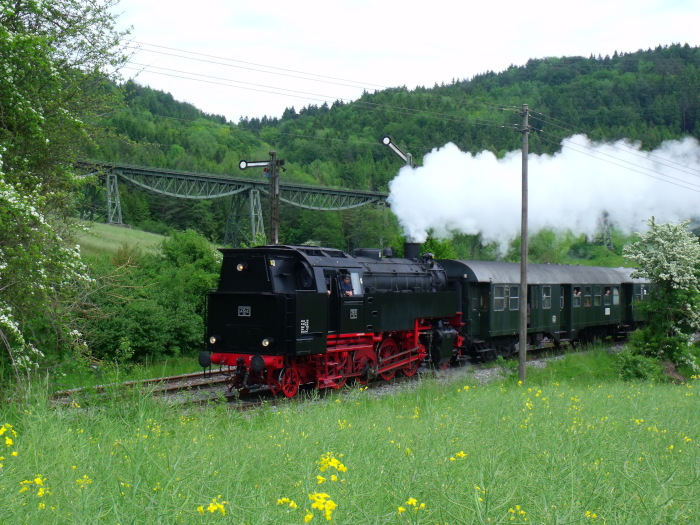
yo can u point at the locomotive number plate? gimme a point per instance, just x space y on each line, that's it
244 311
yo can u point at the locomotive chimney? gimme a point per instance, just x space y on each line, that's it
411 250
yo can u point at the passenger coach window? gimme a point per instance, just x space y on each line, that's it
514 302
546 297
639 292
577 297
616 297
596 295
607 297
586 296
499 300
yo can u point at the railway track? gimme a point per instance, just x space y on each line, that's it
203 388
161 386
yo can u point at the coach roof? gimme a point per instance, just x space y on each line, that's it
505 272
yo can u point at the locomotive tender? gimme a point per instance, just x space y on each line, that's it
281 316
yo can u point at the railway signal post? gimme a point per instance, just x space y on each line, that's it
272 166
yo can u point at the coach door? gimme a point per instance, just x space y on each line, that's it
565 302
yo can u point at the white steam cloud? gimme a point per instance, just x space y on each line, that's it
571 190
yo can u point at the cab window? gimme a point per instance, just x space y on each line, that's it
349 283
356 281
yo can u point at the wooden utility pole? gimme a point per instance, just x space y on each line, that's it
274 199
522 346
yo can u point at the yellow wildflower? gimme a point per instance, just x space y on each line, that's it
215 505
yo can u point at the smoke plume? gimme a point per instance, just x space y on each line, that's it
455 191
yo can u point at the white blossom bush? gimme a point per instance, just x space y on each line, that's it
56 60
669 256
40 280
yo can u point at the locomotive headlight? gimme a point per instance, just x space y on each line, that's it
267 342
242 266
213 339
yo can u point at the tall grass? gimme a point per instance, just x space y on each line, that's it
554 450
75 374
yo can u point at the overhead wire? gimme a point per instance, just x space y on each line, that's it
605 157
209 79
282 72
223 61
630 166
233 62
621 145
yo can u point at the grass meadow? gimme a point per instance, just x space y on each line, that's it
99 238
563 448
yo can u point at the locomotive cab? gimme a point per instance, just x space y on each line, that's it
268 302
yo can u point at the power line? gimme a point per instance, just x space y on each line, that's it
616 145
282 71
629 166
224 81
279 71
311 96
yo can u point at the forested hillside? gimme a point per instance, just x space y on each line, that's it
647 96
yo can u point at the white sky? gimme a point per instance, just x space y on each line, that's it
248 55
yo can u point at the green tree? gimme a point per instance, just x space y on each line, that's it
53 56
440 248
669 256
152 305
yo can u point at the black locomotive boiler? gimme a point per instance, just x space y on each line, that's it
283 316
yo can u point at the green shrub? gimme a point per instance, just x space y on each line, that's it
632 366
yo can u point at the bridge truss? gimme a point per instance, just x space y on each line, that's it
245 195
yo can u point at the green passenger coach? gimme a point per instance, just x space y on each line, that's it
564 303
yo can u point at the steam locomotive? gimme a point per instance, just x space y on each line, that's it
284 316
